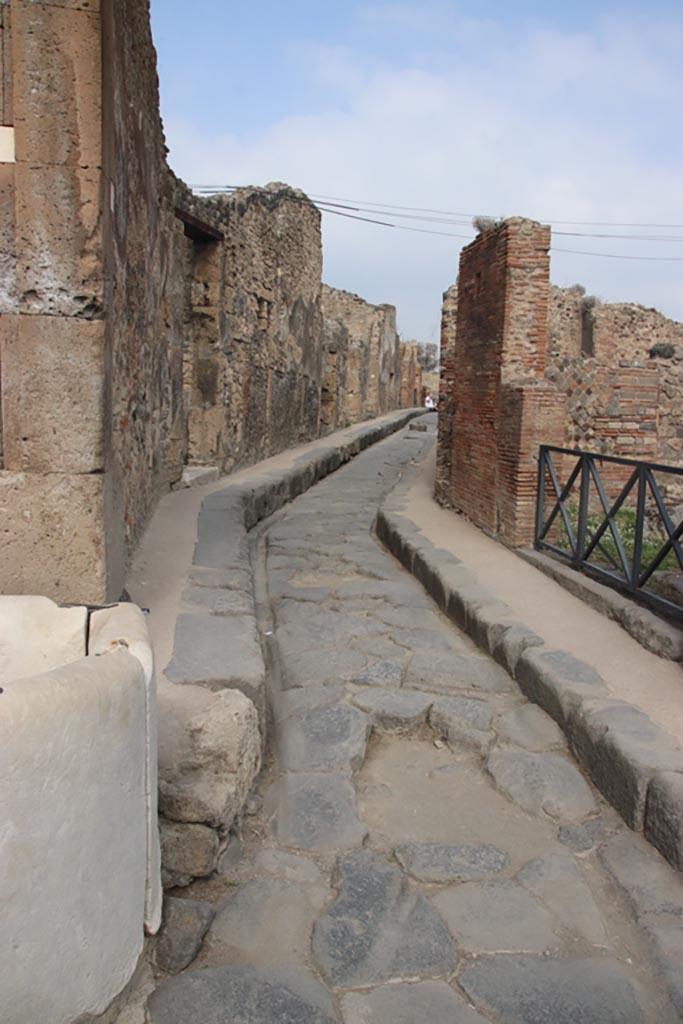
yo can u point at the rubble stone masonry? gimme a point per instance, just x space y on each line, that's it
410 393
141 327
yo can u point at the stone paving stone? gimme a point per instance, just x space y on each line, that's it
397 592
291 866
316 811
665 936
381 673
446 673
557 881
583 837
264 921
313 668
550 990
430 1001
394 712
496 916
324 737
220 602
530 728
651 885
380 647
462 721
184 927
441 862
290 703
379 927
217 651
242 995
543 784
430 640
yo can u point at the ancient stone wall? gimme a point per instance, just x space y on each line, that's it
447 375
143 327
493 380
362 338
410 376
621 367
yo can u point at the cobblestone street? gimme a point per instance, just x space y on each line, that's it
423 846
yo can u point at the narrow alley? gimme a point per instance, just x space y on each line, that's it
422 845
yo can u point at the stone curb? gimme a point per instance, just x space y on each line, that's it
636 765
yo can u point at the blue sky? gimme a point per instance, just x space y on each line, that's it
563 113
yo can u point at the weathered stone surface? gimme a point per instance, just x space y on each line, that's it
290 866
512 643
325 737
665 936
394 712
220 602
267 920
496 916
664 816
583 837
184 928
650 884
556 880
558 682
462 721
206 774
622 751
536 990
218 652
227 579
315 811
313 668
542 784
36 635
251 996
385 673
529 727
431 1001
379 927
187 852
446 673
441 862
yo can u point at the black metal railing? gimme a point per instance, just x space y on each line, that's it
609 518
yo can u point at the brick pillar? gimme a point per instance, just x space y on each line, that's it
62 537
499 407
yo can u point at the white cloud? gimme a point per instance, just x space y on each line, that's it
571 126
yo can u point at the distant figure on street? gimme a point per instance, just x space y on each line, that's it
430 404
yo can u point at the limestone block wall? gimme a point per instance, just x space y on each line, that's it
79 856
499 405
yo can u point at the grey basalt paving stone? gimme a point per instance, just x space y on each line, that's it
583 837
449 672
315 811
664 816
650 884
290 703
317 667
557 881
554 990
324 737
242 995
542 784
219 602
623 751
428 1001
394 711
385 673
558 682
185 924
665 937
496 916
265 920
291 866
512 643
443 862
227 579
528 727
462 722
379 927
